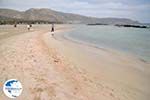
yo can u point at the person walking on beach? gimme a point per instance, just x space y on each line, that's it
52 30
28 26
15 25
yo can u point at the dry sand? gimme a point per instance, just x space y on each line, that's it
54 68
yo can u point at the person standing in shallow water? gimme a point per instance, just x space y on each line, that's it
52 30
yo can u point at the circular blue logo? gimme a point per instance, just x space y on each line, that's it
12 88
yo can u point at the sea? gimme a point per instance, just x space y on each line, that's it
135 41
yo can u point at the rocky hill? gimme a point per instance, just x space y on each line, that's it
56 16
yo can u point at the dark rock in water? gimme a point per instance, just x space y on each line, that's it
134 26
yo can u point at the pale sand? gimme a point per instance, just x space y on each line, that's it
54 68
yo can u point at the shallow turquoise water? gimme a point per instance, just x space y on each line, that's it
130 40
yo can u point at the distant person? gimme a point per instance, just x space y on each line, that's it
15 25
28 26
52 30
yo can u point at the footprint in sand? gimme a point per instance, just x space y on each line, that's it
43 88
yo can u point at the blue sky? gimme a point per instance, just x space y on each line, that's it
134 9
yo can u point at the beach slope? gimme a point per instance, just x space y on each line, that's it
54 68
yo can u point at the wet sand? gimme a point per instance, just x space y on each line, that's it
55 68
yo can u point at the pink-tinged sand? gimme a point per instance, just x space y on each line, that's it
55 68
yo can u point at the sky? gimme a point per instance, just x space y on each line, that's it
134 9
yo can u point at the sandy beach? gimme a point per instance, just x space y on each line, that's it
56 68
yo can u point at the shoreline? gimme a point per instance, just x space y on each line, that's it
80 42
60 36
133 65
62 70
